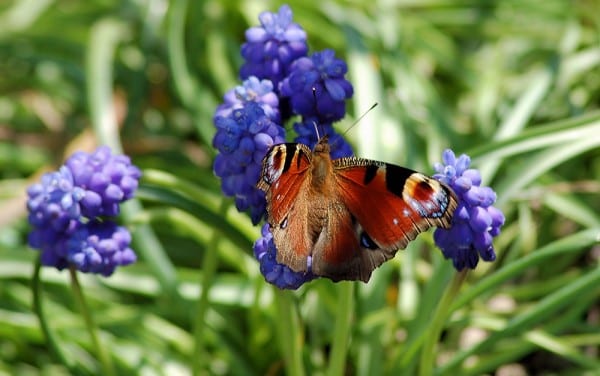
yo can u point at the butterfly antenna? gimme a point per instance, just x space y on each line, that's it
316 130
314 94
360 118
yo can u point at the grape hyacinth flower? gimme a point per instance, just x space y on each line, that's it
243 139
476 222
275 273
317 88
64 210
251 90
271 47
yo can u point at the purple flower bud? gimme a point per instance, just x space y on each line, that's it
463 184
480 220
473 175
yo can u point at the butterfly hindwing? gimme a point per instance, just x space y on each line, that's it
340 256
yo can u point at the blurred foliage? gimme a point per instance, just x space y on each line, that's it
515 84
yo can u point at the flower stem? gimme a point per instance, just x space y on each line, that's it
439 319
290 336
341 334
209 267
104 358
37 307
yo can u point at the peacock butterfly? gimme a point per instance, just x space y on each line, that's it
343 218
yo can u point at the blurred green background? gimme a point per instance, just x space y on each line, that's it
515 84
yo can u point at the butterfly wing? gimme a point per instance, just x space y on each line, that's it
284 179
337 253
390 204
342 219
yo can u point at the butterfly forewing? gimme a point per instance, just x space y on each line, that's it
393 204
284 179
283 174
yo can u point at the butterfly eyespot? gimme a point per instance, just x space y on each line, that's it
367 242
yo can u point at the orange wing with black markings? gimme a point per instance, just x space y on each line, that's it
341 219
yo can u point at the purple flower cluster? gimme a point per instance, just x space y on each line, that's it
476 222
271 47
247 126
65 211
280 81
319 76
243 139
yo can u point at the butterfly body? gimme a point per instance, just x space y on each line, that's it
343 218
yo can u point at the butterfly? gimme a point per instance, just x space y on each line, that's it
343 218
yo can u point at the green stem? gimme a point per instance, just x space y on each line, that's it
104 358
441 314
339 348
209 267
39 310
290 337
